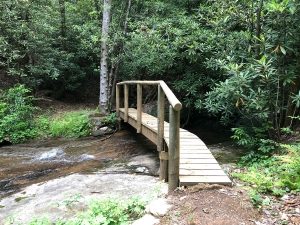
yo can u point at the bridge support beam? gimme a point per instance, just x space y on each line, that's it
174 149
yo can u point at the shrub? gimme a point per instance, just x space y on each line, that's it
16 115
110 120
71 124
255 141
103 212
277 174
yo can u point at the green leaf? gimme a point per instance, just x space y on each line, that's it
282 50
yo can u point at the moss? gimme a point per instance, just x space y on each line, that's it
18 199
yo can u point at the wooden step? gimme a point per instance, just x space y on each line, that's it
192 180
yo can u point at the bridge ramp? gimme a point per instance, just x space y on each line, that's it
196 163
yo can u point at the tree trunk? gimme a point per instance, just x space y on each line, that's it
258 27
62 9
97 8
103 99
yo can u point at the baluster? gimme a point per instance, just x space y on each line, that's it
126 102
117 100
139 108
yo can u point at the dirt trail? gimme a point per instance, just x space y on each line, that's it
210 205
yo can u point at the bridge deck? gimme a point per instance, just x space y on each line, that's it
197 164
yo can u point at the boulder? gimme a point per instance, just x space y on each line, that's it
158 207
146 220
102 131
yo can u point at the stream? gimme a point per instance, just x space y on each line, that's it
39 161
42 177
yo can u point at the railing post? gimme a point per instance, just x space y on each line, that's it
160 132
174 149
126 102
117 99
139 108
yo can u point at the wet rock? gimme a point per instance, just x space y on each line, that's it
142 169
43 198
3 183
145 164
158 207
54 153
150 108
102 131
97 122
85 157
146 220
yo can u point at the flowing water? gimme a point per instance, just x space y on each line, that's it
38 161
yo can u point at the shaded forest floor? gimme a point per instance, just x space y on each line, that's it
210 205
58 107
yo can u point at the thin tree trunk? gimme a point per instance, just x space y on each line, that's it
110 83
258 26
97 7
62 9
103 98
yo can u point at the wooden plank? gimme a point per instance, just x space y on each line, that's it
189 147
200 166
198 161
192 144
132 122
196 156
151 135
184 172
195 151
192 180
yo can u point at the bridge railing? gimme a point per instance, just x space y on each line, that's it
169 162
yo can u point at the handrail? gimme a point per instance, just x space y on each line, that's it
169 166
174 102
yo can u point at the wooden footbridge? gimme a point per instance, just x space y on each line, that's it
184 157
